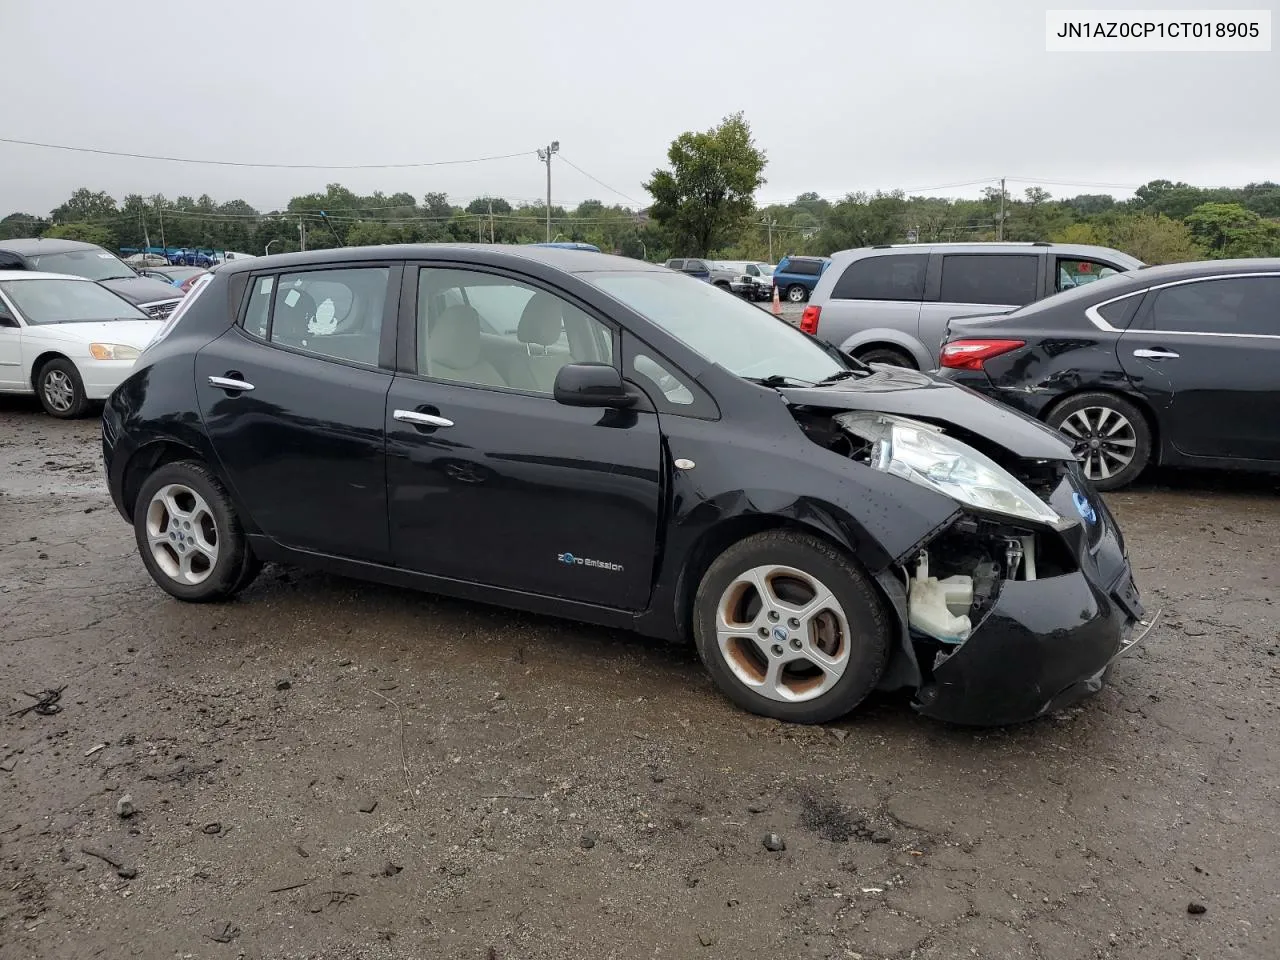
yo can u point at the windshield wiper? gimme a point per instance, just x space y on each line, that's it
842 375
779 380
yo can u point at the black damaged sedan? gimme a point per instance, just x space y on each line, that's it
600 439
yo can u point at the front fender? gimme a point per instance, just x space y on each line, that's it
887 336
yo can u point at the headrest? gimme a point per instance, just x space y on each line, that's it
455 340
540 322
294 311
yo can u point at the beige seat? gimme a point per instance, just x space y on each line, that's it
453 349
540 327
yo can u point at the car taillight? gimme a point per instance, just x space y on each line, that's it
972 354
809 319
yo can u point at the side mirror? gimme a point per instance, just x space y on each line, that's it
6 318
591 385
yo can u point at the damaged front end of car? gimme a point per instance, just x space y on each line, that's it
1019 605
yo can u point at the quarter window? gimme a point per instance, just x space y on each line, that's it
989 278
492 331
331 313
885 277
1246 305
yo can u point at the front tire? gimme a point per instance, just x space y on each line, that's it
189 536
887 355
1111 436
797 293
789 627
60 389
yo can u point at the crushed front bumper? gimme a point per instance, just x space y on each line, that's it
1045 643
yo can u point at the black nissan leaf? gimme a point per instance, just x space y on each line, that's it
600 439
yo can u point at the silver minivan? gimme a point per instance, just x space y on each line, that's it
891 303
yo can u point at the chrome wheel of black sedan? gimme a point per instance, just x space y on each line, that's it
588 436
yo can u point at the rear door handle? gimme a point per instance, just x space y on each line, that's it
421 419
1146 354
230 383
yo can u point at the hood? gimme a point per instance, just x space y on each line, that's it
142 289
130 333
909 393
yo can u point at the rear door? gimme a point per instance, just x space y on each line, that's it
1207 354
971 283
874 292
293 397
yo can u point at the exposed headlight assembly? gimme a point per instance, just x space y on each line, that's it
112 351
923 454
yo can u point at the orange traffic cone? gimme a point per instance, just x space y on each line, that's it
777 304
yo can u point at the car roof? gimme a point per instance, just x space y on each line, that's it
38 245
1082 250
570 261
1194 270
39 275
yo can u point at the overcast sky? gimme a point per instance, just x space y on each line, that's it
843 96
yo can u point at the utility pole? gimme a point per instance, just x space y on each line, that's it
302 234
1000 228
160 210
491 221
770 224
544 154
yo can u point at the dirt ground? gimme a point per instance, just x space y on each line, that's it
327 769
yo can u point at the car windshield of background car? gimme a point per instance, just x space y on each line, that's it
90 264
724 329
68 301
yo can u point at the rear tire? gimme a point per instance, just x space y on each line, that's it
894 358
809 666
60 389
189 536
797 293
1111 435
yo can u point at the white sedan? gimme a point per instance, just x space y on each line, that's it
66 339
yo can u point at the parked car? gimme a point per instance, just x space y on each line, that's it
1176 365
891 304
796 277
752 280
181 277
713 271
142 260
92 262
618 455
66 339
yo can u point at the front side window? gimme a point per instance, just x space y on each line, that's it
989 278
1074 273
884 277
91 264
728 331
1243 305
489 330
331 313
67 301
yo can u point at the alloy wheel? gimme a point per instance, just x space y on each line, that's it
1105 440
182 534
783 633
796 294
59 391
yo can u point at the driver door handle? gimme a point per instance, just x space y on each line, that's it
421 419
229 383
1146 354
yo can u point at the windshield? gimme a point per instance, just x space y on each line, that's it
67 301
90 264
726 330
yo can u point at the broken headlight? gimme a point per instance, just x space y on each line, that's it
923 454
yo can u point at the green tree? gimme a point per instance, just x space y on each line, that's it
84 206
1082 233
17 225
1154 239
86 232
1229 230
706 197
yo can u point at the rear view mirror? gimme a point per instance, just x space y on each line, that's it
591 385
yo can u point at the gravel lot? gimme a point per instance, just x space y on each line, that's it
334 770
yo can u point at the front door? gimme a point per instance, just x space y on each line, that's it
11 370
1207 354
490 479
294 396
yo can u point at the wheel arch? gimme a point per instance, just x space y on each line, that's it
43 358
146 460
886 338
1144 406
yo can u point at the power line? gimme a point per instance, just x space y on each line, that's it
600 182
271 166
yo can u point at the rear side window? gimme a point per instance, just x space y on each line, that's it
1118 313
331 313
1245 305
989 278
805 268
884 277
